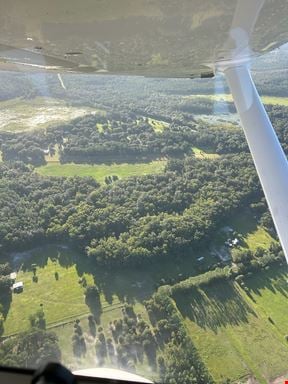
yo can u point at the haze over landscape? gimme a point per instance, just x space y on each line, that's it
132 215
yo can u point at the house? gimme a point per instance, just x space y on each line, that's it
18 287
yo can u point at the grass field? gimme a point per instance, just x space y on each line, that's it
270 293
253 235
99 172
273 100
22 115
61 299
64 300
201 154
233 334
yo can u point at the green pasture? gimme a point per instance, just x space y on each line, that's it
232 333
253 235
99 172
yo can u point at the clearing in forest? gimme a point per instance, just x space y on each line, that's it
19 115
99 172
204 154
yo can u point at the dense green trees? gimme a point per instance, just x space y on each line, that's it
5 293
181 215
30 349
181 362
29 202
131 221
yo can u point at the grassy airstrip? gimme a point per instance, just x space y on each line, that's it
99 172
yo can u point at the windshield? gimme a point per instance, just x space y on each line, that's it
134 233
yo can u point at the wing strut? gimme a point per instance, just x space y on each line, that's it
268 155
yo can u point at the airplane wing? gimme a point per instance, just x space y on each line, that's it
135 37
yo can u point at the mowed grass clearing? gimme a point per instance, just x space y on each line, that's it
202 154
269 289
64 300
61 299
253 235
99 172
233 334
272 100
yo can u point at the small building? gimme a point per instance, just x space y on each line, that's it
235 241
13 276
18 287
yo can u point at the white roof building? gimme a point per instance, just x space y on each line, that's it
18 285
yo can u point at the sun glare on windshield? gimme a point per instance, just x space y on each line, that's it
134 233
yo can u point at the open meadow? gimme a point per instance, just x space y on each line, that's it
239 334
99 172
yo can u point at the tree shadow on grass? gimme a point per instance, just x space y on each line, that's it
39 257
213 307
128 285
274 279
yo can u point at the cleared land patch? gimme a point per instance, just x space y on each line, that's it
253 235
23 115
99 172
201 154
